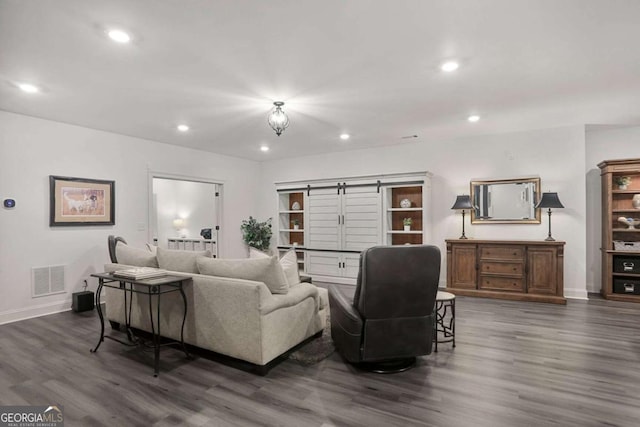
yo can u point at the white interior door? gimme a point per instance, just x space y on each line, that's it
324 219
362 218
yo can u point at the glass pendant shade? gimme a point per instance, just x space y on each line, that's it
278 120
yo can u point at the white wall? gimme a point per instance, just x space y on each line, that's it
32 149
557 156
602 143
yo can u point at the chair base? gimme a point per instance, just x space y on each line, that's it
388 367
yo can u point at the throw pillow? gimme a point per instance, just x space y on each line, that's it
257 253
267 270
183 261
289 263
152 248
127 255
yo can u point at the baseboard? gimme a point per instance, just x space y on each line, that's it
11 316
573 293
35 311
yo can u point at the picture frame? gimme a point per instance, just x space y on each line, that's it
81 201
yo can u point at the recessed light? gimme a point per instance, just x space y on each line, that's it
119 36
449 66
183 128
473 118
345 136
29 88
264 148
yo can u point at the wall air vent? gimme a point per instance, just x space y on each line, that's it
47 280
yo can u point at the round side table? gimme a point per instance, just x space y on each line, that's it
444 327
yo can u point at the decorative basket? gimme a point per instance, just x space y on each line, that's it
619 245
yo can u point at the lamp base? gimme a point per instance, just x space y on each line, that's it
550 239
463 237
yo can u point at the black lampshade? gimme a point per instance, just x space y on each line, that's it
549 200
462 202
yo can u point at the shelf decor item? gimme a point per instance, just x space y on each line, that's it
619 245
622 182
462 203
295 206
549 200
635 202
629 222
257 234
296 224
405 203
406 222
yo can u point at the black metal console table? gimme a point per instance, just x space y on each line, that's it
151 287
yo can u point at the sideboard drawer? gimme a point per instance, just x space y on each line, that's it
503 268
502 283
501 252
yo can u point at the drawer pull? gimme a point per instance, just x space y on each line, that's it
629 287
628 266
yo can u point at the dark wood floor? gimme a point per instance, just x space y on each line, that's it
515 364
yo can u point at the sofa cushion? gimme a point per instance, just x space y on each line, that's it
183 261
267 270
257 253
152 248
134 256
289 263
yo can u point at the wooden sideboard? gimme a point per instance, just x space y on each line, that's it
508 269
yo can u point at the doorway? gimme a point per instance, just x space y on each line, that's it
185 213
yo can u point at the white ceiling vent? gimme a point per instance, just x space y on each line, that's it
47 280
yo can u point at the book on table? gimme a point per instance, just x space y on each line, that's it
140 273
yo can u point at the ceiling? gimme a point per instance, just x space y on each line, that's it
367 68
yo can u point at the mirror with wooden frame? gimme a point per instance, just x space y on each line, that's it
505 201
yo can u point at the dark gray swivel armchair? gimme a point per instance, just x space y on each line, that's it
391 318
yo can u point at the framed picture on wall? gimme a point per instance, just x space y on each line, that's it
81 201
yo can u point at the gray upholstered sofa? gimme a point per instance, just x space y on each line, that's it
234 317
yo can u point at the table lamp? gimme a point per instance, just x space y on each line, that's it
462 202
549 200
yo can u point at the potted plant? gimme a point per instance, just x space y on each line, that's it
622 182
407 224
257 234
296 224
